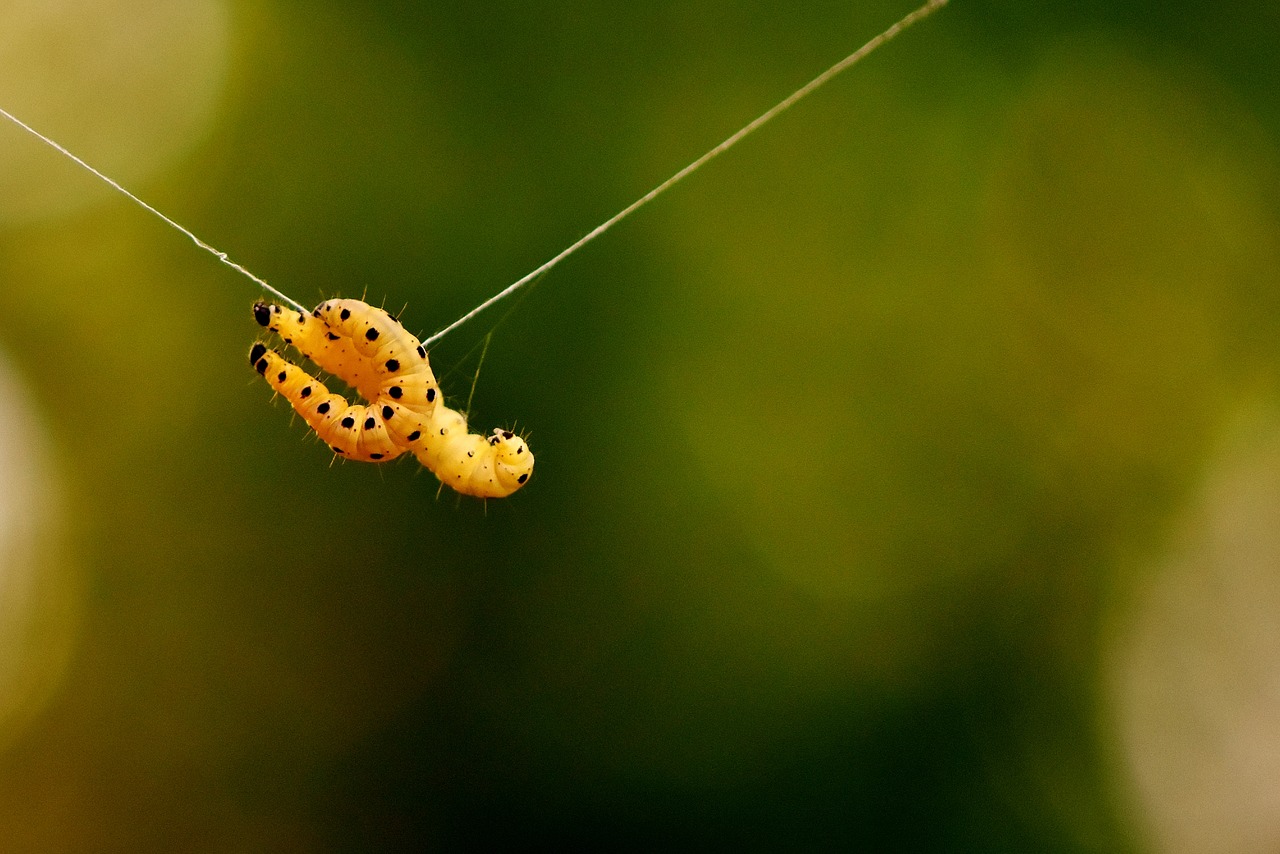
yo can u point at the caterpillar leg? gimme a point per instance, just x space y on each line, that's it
354 431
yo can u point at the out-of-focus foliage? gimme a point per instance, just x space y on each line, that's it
906 480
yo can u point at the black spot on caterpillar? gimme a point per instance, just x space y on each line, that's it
369 350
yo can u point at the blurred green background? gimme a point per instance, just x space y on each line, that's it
909 479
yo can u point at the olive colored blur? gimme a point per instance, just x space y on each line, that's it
907 480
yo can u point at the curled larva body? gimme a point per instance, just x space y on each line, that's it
389 367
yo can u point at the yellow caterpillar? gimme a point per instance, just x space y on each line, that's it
370 351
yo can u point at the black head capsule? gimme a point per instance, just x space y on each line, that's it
262 313
257 352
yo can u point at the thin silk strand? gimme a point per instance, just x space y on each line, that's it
221 256
813 85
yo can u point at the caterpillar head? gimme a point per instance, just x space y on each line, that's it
256 359
513 461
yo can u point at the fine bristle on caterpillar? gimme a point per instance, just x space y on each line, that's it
369 350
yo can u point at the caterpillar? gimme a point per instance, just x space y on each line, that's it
369 350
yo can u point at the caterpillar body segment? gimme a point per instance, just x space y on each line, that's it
407 428
350 430
375 333
388 366
397 357
417 392
446 428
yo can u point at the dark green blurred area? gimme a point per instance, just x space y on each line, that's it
851 451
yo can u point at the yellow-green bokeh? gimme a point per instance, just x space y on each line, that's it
869 460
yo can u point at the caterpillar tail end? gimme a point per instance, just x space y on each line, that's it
256 352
